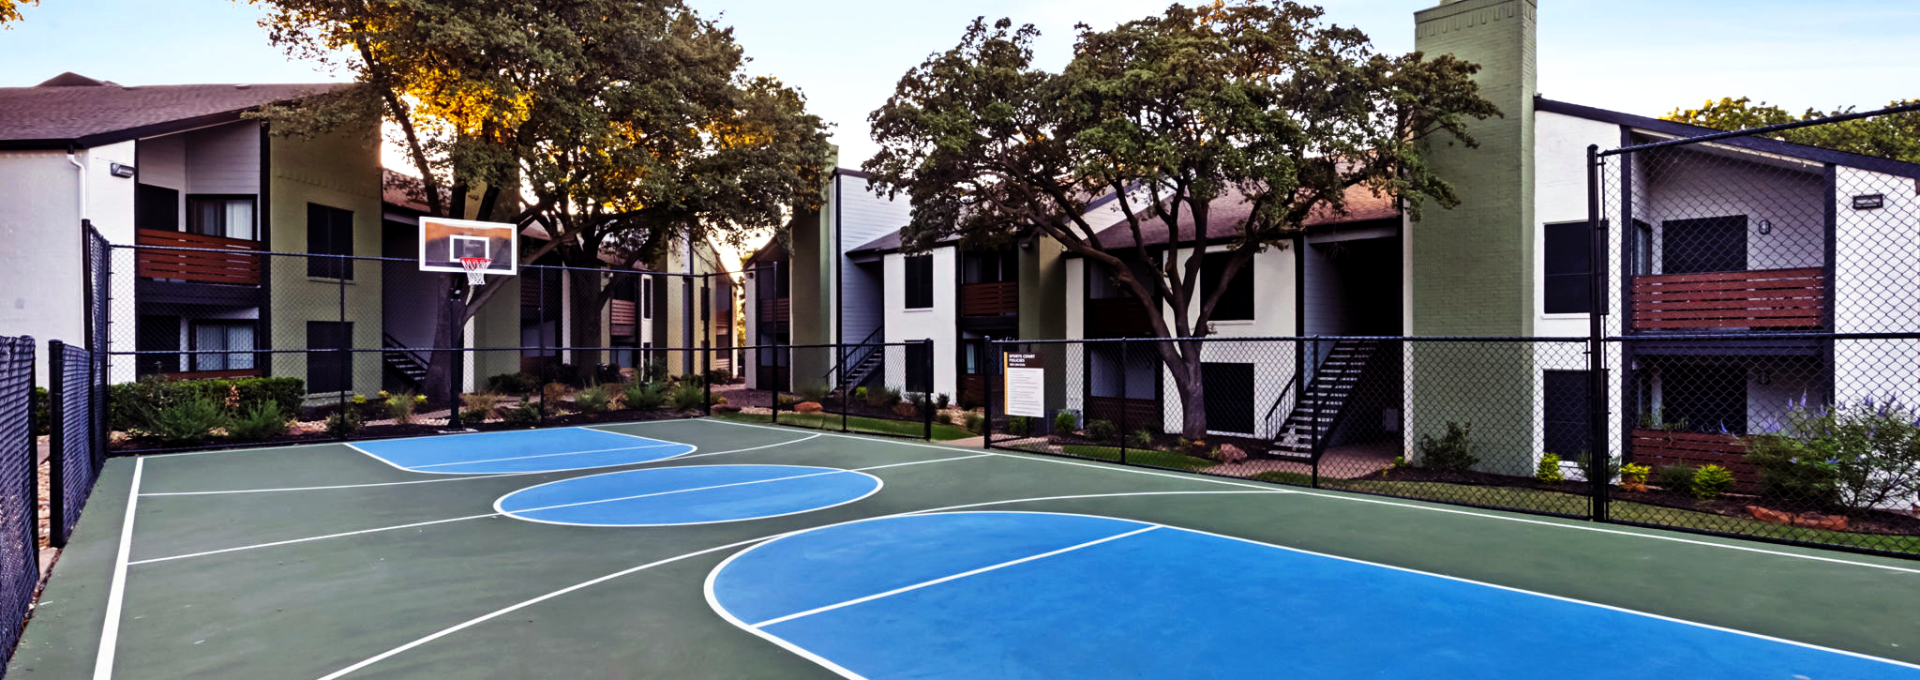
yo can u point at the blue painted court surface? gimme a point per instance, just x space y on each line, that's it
520 451
698 494
1036 595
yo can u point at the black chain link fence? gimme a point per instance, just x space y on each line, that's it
869 388
76 449
19 504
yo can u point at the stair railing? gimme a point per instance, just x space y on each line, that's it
853 359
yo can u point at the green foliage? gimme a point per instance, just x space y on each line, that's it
361 399
1634 477
42 423
263 421
974 422
814 393
784 402
475 415
882 397
645 396
594 399
1065 421
484 402
188 421
1895 137
526 414
941 401
131 406
1101 430
401 406
1549 469
343 424
1592 469
1653 420
1858 455
1019 426
860 393
1141 439
719 377
1453 451
1264 99
686 395
513 383
1711 482
1675 477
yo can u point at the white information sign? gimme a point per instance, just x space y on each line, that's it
1026 381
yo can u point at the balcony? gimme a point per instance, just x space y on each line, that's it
199 259
625 318
1766 299
775 310
990 299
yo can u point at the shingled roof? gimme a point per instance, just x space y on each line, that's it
1230 209
74 110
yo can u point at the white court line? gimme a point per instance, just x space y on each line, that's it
1357 498
410 525
756 629
460 479
547 455
117 592
943 579
824 472
419 470
483 618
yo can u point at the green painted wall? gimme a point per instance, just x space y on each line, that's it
812 287
497 325
1043 310
340 170
1473 266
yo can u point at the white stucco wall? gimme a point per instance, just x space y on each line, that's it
42 273
936 322
1876 287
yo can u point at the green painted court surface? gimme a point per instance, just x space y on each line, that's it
324 562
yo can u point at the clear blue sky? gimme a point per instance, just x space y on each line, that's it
1640 56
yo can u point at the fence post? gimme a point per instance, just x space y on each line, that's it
1313 413
31 494
346 357
926 398
1599 454
775 387
839 374
56 440
706 342
994 371
1087 358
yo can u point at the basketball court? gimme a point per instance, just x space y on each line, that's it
716 549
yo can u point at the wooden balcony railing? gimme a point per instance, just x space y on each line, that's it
775 310
1660 448
1759 299
240 267
990 299
625 318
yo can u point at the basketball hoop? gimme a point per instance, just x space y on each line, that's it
476 269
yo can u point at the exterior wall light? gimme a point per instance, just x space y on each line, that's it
120 170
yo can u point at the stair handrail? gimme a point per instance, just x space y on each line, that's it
392 344
854 359
1277 401
1340 415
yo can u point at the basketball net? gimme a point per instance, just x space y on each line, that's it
476 269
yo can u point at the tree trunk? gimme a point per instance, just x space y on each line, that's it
586 298
1182 360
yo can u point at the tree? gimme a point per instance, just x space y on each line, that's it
618 126
1894 136
10 11
1258 99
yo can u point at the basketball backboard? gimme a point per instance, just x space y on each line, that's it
444 241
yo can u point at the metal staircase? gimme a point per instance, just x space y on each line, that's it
1318 411
402 362
860 365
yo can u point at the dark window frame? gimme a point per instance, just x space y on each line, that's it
1555 432
1566 286
325 368
329 232
192 223
193 343
147 203
917 271
919 367
1237 303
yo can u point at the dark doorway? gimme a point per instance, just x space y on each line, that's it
1708 244
1229 396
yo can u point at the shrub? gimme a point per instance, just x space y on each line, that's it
262 421
401 407
814 392
1141 439
361 399
553 393
645 396
1451 452
1101 430
1711 481
1634 477
967 402
188 421
1019 426
133 405
1587 469
343 424
606 373
941 401
480 401
593 399
1868 451
1791 472
527 414
513 383
719 376
860 393
41 423
1549 469
475 415
974 421
384 395
882 397
691 378
784 402
1675 477
1065 421
686 395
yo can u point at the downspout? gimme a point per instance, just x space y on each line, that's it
82 169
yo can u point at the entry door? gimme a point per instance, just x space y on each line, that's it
1708 244
1229 396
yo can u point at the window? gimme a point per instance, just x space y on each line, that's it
1563 414
1229 396
157 334
1568 268
646 297
329 232
156 208
919 367
1642 248
220 336
1710 244
919 281
1000 266
329 371
224 216
1236 304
